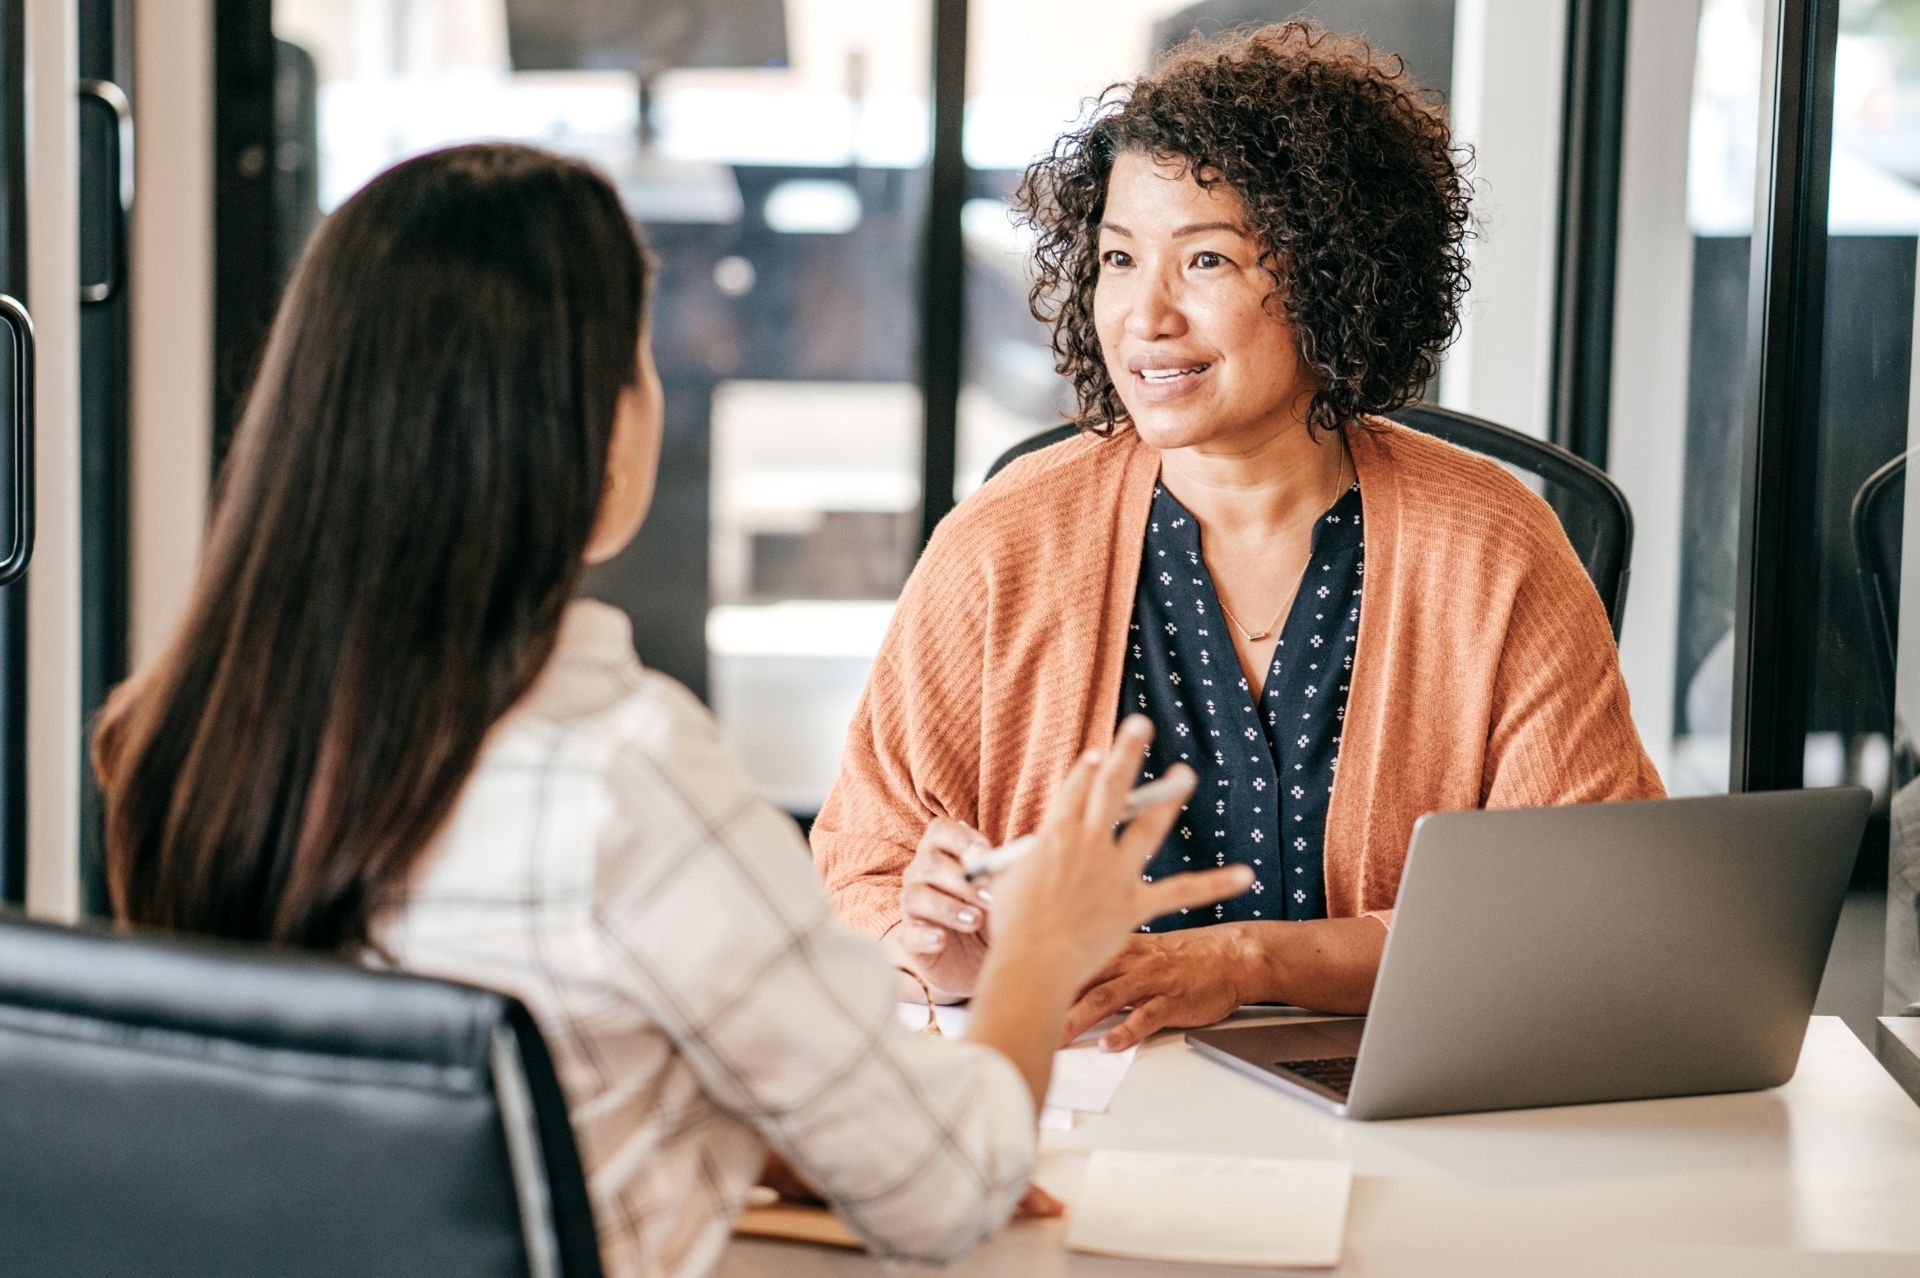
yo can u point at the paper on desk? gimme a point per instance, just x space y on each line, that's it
1084 1077
1216 1211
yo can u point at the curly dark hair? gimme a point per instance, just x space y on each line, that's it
1350 181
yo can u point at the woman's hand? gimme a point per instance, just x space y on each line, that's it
778 1175
1080 891
1179 979
1038 1204
1199 975
943 918
1063 910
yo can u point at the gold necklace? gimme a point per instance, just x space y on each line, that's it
1339 472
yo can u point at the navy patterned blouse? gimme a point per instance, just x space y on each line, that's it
1265 756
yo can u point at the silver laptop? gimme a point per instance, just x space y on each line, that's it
1559 956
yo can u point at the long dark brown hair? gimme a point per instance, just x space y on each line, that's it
399 527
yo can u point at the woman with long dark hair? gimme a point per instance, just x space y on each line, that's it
385 728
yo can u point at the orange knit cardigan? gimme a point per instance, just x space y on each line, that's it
1485 673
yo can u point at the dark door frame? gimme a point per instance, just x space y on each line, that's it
105 33
943 278
1592 129
1774 642
246 239
13 599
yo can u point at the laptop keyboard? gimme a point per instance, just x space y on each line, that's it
1335 1073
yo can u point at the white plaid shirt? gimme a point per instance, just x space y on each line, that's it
608 865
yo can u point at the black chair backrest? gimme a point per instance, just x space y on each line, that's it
1877 519
1591 507
172 1108
1033 444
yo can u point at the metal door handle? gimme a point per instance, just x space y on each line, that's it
19 442
109 95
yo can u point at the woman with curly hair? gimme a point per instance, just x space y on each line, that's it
1246 257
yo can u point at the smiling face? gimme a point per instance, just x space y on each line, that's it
1197 352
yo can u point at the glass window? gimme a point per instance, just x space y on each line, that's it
1680 390
1033 67
775 152
1681 396
1860 697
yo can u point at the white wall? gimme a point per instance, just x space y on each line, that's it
54 744
1653 311
1508 73
172 312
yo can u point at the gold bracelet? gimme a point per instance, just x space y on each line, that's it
933 1019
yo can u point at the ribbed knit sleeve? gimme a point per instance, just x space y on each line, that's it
1561 731
1002 663
1486 674
913 746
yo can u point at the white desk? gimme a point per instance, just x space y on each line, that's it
1820 1177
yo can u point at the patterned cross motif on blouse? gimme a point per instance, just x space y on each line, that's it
1301 689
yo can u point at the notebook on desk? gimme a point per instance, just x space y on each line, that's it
1606 951
786 1221
1195 1209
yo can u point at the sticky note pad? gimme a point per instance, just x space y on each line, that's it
1216 1211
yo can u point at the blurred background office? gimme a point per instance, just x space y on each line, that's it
1664 282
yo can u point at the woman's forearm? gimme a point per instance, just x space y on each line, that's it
1325 964
1018 1010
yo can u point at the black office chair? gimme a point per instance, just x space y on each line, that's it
194 1110
1591 507
1876 521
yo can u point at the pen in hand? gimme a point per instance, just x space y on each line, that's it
1142 797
